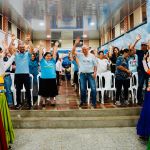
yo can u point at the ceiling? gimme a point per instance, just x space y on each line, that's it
67 18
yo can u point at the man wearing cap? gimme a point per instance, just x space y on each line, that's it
88 71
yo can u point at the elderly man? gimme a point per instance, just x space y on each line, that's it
88 71
22 77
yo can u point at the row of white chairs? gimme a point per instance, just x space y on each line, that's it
109 79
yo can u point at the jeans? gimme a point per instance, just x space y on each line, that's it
84 79
7 85
142 77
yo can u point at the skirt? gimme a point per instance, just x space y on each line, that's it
143 126
3 143
48 87
10 136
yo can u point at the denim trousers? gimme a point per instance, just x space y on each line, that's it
87 79
7 85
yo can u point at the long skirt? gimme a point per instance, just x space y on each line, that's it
143 126
3 143
10 136
48 87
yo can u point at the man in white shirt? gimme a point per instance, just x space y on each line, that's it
58 70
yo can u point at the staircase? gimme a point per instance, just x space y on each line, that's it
85 118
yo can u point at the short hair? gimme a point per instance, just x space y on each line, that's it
85 46
100 52
126 50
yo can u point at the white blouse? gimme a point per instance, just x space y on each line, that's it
5 65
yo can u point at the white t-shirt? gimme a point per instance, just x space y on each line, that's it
59 66
102 65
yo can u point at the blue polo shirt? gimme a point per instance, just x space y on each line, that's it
22 63
86 64
48 68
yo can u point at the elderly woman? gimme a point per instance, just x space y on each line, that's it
143 126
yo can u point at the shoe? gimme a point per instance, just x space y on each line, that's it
93 107
43 106
126 102
18 106
82 104
53 102
117 103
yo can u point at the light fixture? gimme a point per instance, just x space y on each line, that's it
92 23
41 23
48 36
60 40
84 36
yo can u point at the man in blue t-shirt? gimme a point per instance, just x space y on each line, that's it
22 77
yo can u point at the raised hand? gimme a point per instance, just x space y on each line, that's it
13 37
57 43
28 37
77 41
5 45
138 37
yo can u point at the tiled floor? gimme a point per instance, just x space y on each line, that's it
78 139
68 98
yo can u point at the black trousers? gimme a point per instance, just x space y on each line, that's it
20 80
58 77
119 83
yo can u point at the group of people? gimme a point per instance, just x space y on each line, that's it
28 62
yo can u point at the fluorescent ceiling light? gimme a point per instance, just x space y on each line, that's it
84 36
92 23
48 36
41 24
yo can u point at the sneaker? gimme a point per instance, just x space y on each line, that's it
118 103
93 107
126 102
18 106
53 102
82 104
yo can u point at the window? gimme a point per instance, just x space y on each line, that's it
53 42
9 27
122 27
131 21
80 44
0 22
18 33
144 16
113 33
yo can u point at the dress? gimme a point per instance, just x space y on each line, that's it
143 126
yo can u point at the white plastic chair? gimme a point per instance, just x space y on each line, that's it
109 79
31 89
134 86
13 89
39 97
23 90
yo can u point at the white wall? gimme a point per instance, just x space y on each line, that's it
137 16
94 43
